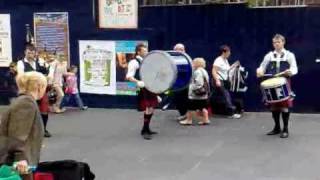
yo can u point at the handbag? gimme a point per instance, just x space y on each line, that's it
52 96
204 89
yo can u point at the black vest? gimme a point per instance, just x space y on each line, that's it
272 66
137 75
41 69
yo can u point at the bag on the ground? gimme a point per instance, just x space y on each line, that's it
67 170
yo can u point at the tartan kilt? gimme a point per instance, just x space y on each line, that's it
146 99
43 104
284 104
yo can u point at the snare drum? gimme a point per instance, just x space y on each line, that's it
276 90
164 70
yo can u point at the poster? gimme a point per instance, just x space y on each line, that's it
97 67
125 51
118 14
5 40
52 34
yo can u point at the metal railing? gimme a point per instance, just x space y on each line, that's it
185 2
277 3
251 3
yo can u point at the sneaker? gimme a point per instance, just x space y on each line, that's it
236 116
180 118
63 110
203 123
185 122
165 107
84 108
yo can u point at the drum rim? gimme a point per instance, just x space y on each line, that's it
279 100
273 86
171 64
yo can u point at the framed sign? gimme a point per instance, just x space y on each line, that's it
118 14
52 34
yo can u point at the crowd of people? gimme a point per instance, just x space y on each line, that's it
30 80
228 82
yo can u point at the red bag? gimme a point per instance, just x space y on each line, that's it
42 176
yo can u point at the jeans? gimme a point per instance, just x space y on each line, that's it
66 100
227 99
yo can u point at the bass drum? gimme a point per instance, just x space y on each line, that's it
164 70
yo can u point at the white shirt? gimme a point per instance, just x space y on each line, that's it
20 65
284 55
223 67
56 72
133 65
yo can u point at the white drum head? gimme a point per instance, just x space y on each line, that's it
273 82
158 71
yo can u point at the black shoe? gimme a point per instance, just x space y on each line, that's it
151 132
284 134
47 134
146 136
274 132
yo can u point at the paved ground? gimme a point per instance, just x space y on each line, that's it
228 149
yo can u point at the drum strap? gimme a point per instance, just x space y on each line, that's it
205 81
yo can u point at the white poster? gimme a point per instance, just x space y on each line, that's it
118 14
97 67
5 40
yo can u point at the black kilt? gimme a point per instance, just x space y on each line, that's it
197 104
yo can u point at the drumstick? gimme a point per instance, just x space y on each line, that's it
267 75
279 74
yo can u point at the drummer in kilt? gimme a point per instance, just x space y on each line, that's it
147 100
279 62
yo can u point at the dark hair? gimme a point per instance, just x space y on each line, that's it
224 48
30 47
71 68
139 47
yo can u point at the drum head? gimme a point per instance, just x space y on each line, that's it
273 82
158 71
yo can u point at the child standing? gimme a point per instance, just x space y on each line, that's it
71 89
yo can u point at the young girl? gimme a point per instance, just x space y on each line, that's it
71 89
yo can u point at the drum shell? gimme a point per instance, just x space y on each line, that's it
178 66
276 93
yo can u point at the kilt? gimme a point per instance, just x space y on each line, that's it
146 99
284 104
43 104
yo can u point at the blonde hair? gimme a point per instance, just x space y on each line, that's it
30 82
279 36
199 62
